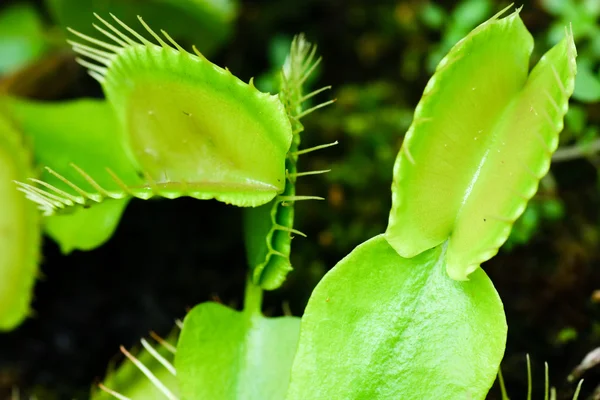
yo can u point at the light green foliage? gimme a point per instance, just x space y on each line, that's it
226 355
544 207
21 37
187 126
455 26
19 229
587 85
205 23
583 16
55 131
269 228
85 229
465 173
146 373
379 326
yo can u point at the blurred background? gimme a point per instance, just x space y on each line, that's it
169 255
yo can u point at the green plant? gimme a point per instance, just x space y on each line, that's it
40 134
409 313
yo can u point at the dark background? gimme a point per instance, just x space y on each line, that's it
168 255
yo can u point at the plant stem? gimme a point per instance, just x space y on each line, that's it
502 386
252 298
576 151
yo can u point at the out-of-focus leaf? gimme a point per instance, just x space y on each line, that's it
21 37
19 229
576 117
433 15
85 229
587 84
205 23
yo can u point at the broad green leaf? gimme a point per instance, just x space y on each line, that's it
19 229
206 23
379 326
223 354
85 229
481 139
21 37
129 379
189 126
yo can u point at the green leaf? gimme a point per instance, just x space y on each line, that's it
69 137
85 229
190 126
212 20
225 354
19 229
379 326
21 37
75 141
587 84
481 139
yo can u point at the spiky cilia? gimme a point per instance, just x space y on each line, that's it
269 228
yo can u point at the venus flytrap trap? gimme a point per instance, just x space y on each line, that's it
457 202
269 228
162 96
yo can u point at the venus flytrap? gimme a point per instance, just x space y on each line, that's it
180 122
222 353
173 125
408 314
398 318
480 141
86 161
